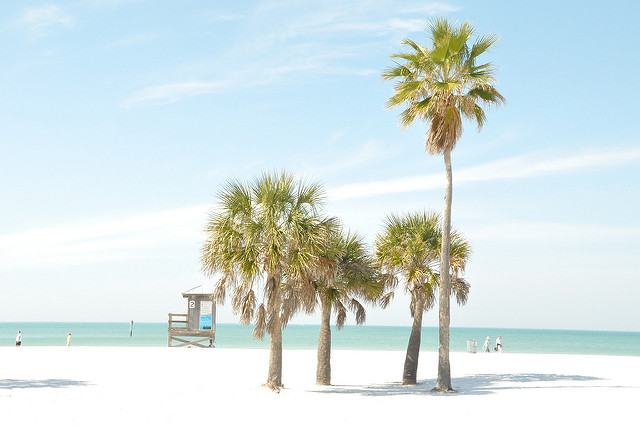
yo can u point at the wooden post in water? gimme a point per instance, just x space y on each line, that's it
130 327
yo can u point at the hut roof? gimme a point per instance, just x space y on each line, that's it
198 290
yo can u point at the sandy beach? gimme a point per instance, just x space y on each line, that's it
100 385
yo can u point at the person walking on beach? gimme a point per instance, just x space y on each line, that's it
69 339
487 343
19 339
499 344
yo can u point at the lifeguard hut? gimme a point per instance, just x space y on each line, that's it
198 327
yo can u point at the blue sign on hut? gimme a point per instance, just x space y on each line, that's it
198 327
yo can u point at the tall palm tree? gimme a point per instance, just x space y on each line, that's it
441 84
347 274
262 242
409 246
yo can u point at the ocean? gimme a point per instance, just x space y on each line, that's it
349 338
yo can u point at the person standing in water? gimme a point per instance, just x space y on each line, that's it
69 339
19 339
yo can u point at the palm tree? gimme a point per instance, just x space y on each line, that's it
440 84
347 273
409 246
262 242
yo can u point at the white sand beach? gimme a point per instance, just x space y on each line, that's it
107 385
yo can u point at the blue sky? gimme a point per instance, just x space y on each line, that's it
121 119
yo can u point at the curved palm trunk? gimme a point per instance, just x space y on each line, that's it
274 381
323 372
444 369
410 373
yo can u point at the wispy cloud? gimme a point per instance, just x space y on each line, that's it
354 26
250 76
225 17
103 240
552 232
407 25
432 9
132 40
519 167
330 162
351 20
170 93
38 19
336 136
298 45
148 235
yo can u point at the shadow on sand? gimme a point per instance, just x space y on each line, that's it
13 384
469 385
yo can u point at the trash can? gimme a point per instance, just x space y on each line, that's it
472 346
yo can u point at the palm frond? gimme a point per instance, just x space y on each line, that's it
438 72
460 288
486 93
386 299
482 44
341 315
409 246
430 294
263 239
445 130
247 307
220 290
398 71
291 303
261 322
358 309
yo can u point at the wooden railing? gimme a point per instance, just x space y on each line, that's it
181 336
178 322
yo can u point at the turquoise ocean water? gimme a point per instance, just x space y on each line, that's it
350 337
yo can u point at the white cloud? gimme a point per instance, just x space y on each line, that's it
378 28
552 232
251 76
432 9
523 166
336 136
133 40
330 162
381 187
170 93
226 17
329 18
408 25
383 27
295 47
40 18
149 235
103 240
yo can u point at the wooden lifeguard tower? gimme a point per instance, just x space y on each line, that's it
198 327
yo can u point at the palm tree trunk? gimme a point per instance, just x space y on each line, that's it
323 372
443 383
410 373
274 380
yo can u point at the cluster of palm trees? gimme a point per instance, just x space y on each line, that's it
276 253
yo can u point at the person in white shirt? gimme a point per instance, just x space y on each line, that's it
499 344
69 339
19 339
